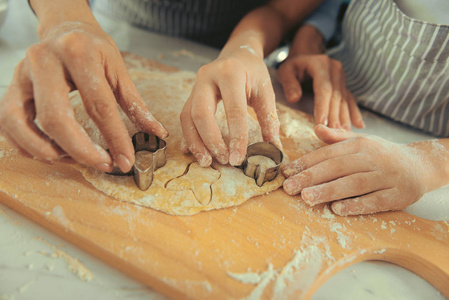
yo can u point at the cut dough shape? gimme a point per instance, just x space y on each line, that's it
165 93
198 180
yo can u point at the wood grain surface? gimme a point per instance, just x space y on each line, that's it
271 247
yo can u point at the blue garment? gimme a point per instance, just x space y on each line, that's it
324 19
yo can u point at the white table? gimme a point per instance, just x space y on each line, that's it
27 268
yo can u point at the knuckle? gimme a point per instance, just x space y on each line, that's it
324 59
338 65
203 70
49 122
74 44
228 68
100 111
199 114
236 113
361 142
34 51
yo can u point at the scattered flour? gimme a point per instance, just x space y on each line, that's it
327 213
58 213
342 239
74 265
294 278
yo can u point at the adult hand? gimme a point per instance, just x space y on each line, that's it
361 174
239 78
334 104
35 113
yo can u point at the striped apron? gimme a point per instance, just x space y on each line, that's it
206 21
395 65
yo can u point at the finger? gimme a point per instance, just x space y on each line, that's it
133 105
338 82
16 146
203 112
17 115
354 110
326 171
367 204
184 147
234 99
264 105
286 75
101 106
324 153
346 187
319 70
56 116
192 139
345 118
332 136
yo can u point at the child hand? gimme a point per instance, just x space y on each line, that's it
74 55
360 174
239 78
334 104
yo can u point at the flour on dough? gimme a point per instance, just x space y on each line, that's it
181 187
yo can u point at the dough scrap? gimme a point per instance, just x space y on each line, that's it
181 187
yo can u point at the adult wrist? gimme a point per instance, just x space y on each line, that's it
52 13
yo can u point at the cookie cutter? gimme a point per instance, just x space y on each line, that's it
254 170
150 155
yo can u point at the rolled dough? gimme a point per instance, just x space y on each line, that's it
181 187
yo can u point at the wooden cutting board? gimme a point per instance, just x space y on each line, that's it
271 247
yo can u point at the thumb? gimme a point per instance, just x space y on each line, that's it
333 135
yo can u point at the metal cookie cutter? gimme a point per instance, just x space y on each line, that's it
253 170
150 155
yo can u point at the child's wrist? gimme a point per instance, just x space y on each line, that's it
308 40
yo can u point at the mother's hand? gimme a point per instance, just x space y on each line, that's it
35 113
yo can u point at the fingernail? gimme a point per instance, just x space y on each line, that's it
324 121
292 95
277 142
362 124
223 159
165 134
236 158
289 172
338 208
291 187
104 167
203 160
291 169
123 163
309 195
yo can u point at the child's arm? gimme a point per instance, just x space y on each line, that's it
334 104
239 77
73 53
366 174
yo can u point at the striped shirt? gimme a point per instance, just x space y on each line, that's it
396 65
206 21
